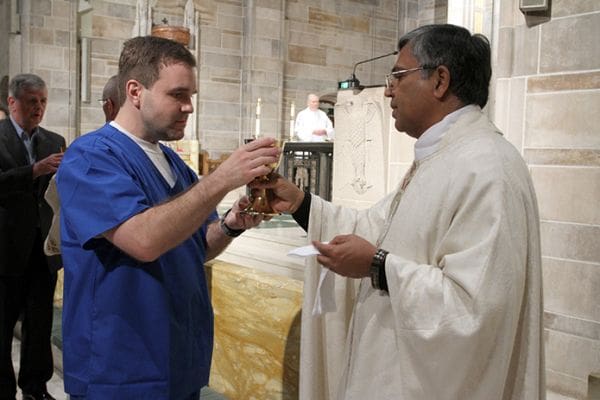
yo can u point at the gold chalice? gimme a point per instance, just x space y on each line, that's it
260 199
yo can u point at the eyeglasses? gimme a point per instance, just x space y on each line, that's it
389 78
102 101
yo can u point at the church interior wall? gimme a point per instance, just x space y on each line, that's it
547 95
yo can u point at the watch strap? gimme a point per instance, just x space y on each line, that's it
378 275
227 230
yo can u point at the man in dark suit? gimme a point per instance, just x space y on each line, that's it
29 156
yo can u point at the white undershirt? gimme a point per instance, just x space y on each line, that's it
427 144
154 152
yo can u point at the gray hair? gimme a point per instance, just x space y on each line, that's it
467 57
22 82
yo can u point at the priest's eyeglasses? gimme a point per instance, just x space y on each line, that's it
391 77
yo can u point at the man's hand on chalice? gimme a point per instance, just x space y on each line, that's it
286 196
241 220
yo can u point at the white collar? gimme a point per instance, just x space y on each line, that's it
428 143
144 144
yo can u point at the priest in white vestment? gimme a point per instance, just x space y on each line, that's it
312 124
435 292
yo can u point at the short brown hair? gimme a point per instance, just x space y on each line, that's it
143 57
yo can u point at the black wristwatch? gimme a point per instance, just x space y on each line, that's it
227 230
378 278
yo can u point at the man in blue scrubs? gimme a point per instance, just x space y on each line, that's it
137 227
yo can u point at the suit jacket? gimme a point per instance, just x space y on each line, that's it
22 205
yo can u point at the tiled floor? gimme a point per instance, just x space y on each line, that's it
55 386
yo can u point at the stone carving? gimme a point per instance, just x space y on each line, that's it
358 116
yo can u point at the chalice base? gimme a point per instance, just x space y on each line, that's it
260 203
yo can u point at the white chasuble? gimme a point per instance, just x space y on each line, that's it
463 317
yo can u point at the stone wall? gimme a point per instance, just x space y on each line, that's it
547 97
41 40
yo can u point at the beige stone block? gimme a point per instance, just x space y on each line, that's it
273 14
56 114
568 194
219 122
567 385
306 55
117 9
229 22
554 83
570 241
322 18
106 47
500 103
577 157
302 38
59 79
220 141
507 13
41 7
515 125
220 74
266 64
63 9
356 24
525 50
111 27
562 8
220 108
569 44
48 57
210 59
210 36
572 356
263 48
572 288
273 4
229 8
63 38
56 23
563 120
503 66
42 36
220 92
580 327
268 28
231 41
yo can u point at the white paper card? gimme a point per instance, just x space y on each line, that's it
304 251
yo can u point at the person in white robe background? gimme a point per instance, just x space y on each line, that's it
312 124
436 289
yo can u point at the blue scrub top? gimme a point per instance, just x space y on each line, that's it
131 330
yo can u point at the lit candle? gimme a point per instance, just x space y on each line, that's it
257 130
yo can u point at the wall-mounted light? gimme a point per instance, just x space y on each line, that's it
533 5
